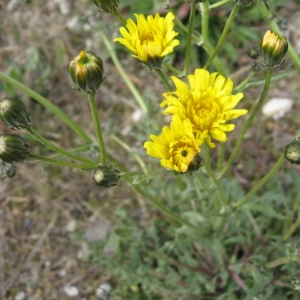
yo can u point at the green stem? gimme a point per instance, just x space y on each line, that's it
223 36
263 181
163 79
164 210
175 71
51 146
43 101
281 261
249 122
189 38
131 151
195 38
272 24
120 18
244 82
219 4
97 127
126 78
221 155
63 163
291 230
212 176
206 43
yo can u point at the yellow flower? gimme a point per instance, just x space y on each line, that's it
175 146
207 102
150 39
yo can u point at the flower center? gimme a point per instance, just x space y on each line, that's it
204 110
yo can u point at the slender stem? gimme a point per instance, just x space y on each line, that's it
281 261
189 38
206 43
221 155
223 35
130 150
244 82
164 79
43 101
205 19
249 122
126 78
97 127
218 4
195 38
163 209
51 146
212 176
120 18
263 181
175 71
291 230
291 51
63 163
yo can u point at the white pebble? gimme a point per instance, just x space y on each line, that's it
71 291
20 296
103 289
277 107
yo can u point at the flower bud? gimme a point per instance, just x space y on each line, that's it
13 148
107 6
273 48
86 71
292 151
14 114
7 170
244 3
107 176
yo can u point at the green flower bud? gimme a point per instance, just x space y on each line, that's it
273 48
7 170
13 148
292 151
244 3
107 176
86 71
14 114
107 6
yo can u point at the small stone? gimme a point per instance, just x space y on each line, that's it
103 290
71 291
277 107
20 296
71 226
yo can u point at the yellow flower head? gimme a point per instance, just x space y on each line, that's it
175 146
149 39
207 102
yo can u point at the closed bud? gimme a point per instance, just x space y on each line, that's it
107 176
13 148
273 48
244 3
107 6
14 114
86 71
7 170
292 151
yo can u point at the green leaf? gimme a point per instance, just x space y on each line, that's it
265 209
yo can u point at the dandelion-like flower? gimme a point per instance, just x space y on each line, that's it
176 146
150 39
207 102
